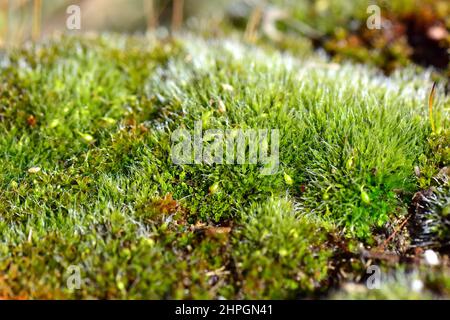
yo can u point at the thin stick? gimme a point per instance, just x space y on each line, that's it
430 107
152 18
9 22
395 232
252 25
5 17
177 14
9 40
37 15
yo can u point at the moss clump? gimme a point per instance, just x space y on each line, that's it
96 117
280 252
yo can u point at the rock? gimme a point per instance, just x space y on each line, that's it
431 257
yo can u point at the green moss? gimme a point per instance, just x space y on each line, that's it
96 117
280 252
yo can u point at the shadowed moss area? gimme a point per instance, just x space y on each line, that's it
417 283
87 178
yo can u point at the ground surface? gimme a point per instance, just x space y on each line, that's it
87 179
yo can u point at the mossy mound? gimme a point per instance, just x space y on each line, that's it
87 178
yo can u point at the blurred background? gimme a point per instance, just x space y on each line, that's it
412 31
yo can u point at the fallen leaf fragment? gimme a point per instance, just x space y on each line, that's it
227 87
34 170
31 120
217 231
222 108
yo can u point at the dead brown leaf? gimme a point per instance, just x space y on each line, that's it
167 205
32 121
214 231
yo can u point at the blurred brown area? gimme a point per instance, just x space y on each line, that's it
21 19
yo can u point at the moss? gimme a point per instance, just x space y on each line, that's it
432 216
280 252
94 118
397 286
